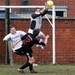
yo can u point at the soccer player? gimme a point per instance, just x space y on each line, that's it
28 41
36 22
13 36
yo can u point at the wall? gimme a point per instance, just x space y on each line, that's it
2 45
65 41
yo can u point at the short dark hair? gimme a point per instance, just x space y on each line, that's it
36 32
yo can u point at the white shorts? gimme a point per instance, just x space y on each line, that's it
31 31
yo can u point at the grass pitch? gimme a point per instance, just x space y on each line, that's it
42 69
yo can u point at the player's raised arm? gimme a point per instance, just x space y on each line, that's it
13 45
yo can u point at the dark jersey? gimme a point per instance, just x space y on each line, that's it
29 40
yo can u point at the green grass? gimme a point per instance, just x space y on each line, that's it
42 69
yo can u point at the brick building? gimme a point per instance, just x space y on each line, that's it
65 38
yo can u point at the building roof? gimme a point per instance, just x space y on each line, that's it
26 15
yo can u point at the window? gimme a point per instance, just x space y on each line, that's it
60 11
24 3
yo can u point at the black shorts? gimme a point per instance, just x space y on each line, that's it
19 51
28 51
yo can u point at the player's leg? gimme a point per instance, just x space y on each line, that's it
32 27
41 35
21 69
30 61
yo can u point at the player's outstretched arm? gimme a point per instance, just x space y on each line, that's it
13 45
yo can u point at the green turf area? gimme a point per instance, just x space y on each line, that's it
42 69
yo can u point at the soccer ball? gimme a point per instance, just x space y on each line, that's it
50 3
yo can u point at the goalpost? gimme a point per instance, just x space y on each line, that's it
52 24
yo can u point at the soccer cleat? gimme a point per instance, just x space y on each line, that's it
21 71
32 71
40 46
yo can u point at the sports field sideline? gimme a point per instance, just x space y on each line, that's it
42 69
